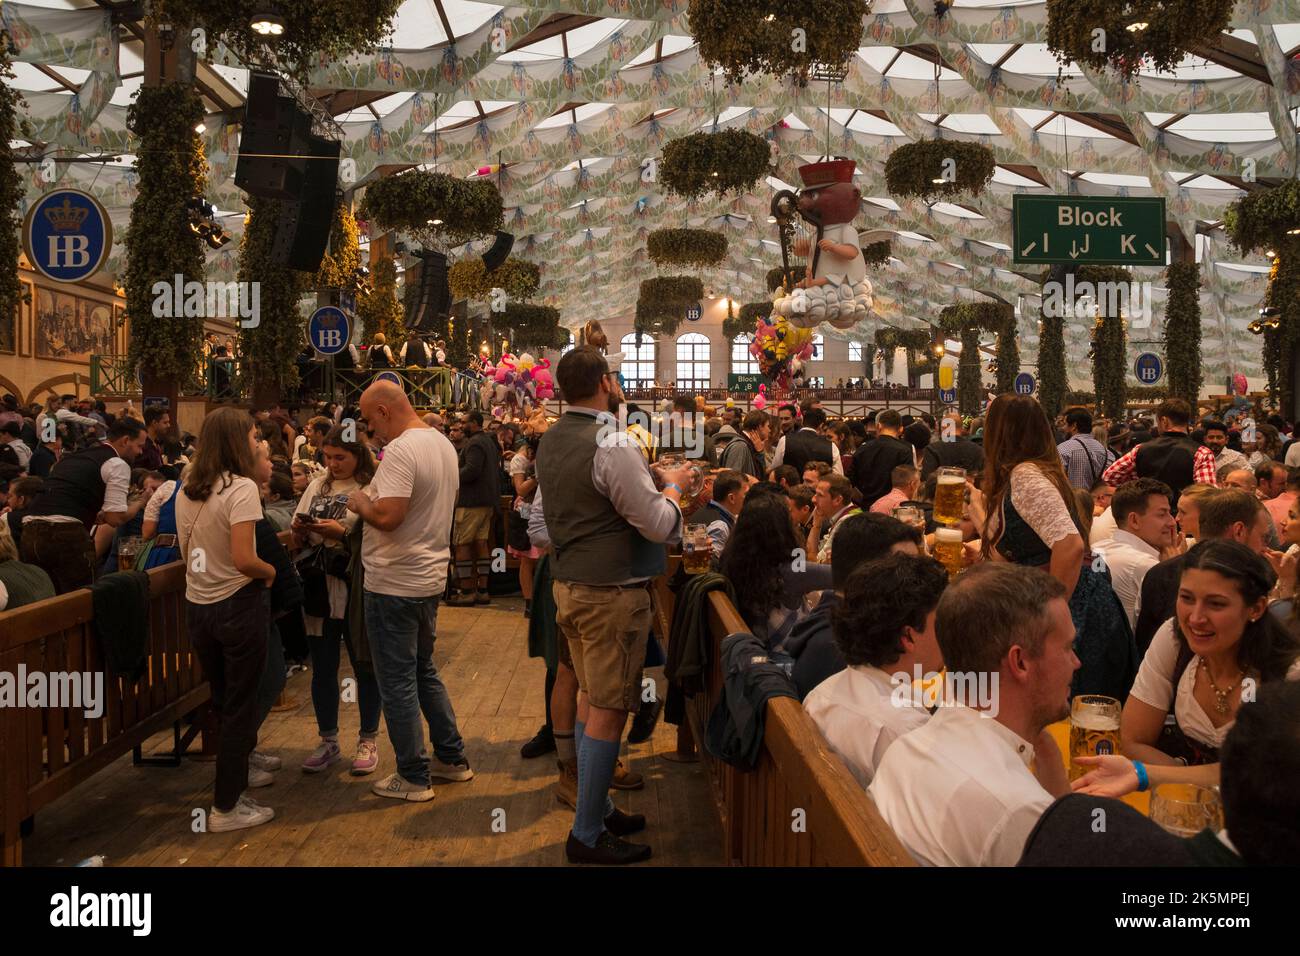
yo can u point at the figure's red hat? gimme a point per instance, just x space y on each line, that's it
817 175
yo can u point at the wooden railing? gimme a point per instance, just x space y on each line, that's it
800 806
46 751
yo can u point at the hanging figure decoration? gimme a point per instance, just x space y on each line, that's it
837 291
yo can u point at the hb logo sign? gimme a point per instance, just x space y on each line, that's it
67 235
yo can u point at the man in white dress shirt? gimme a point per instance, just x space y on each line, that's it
1144 532
960 791
884 627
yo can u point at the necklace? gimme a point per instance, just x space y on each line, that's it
1220 696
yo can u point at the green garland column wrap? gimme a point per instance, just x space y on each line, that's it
1109 351
1008 357
1052 380
269 347
11 193
970 387
1182 333
159 244
380 311
1280 344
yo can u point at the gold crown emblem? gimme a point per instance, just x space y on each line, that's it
67 218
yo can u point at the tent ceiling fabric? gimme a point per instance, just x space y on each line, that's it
572 97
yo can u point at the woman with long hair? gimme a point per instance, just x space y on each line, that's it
759 561
323 520
228 602
523 477
1203 663
1032 518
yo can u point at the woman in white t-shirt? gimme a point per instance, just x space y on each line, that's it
227 599
323 520
1202 665
523 476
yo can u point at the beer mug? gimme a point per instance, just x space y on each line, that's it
950 496
948 549
1185 809
1094 729
693 485
910 514
128 549
697 547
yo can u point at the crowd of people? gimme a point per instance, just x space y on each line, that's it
1149 561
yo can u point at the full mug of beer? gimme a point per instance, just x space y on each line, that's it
697 546
1094 729
950 496
948 550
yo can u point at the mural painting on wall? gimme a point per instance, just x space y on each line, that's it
9 329
71 328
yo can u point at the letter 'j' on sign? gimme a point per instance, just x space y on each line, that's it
1121 231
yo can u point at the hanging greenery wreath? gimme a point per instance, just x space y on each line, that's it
662 303
776 36
339 264
912 169
876 253
1121 34
470 279
746 320
438 210
530 326
686 247
1053 381
1109 352
730 160
1182 333
996 317
269 348
159 243
11 190
776 277
380 311
314 33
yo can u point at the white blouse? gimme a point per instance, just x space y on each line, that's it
1154 686
1039 502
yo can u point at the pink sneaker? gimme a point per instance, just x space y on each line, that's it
367 758
326 755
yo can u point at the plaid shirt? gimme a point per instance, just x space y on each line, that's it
1204 471
1085 459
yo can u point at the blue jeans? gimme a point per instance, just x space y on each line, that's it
273 680
402 632
325 682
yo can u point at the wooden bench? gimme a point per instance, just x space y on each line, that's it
800 806
45 752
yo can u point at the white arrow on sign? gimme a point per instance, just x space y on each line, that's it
1028 249
1154 254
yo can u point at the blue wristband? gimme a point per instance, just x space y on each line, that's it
1144 782
674 486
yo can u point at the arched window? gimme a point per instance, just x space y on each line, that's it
742 363
819 348
638 361
855 351
693 361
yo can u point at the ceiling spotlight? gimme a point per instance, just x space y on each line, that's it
1293 232
1271 254
938 350
1256 327
201 128
938 181
267 23
435 222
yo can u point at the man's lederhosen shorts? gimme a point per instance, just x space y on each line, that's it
605 630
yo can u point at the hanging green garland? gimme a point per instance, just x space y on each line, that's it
746 320
970 374
11 192
912 169
438 210
889 340
728 161
270 346
318 32
1053 381
338 266
686 247
1109 351
1182 333
876 253
996 317
470 279
663 301
380 311
776 36
159 243
530 327
776 277
1105 33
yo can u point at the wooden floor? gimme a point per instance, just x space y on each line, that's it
142 816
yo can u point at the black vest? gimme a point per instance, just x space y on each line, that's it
75 488
803 446
1170 458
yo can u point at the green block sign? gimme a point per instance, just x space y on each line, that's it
743 384
1088 230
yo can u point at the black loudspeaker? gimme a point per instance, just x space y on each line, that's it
500 250
303 229
433 297
265 166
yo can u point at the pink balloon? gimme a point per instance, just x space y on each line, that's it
760 401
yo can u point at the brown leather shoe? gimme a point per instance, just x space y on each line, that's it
625 779
566 788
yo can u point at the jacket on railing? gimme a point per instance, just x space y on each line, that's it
750 680
690 643
121 620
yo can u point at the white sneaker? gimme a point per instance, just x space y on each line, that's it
264 761
395 787
244 815
451 772
258 778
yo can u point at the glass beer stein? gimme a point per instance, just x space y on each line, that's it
697 547
948 550
950 496
692 486
1094 729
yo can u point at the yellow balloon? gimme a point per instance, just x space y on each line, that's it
945 376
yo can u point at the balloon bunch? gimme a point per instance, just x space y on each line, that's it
781 350
517 382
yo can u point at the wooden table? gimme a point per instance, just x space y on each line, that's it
1060 732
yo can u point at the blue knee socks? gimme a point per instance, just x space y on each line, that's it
594 776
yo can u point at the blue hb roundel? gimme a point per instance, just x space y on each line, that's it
1148 368
1025 384
693 313
328 330
388 377
67 235
948 396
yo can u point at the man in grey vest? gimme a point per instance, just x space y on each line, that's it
608 525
